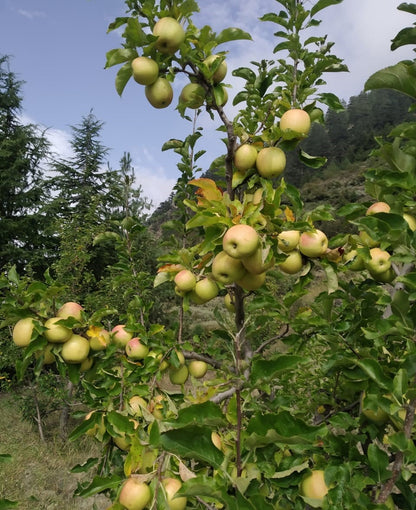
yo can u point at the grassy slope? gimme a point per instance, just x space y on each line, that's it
38 476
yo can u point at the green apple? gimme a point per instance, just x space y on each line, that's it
120 336
379 261
22 332
86 364
251 281
185 280
296 120
384 277
220 72
170 35
353 261
160 93
192 95
378 207
313 486
255 263
171 486
313 244
136 404
411 221
288 240
136 350
76 349
367 240
270 162
48 355
206 289
293 263
70 309
197 368
99 338
226 269
178 375
145 70
240 241
56 333
229 303
135 495
245 157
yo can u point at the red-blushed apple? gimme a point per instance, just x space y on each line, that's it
378 207
245 157
313 244
99 338
206 289
171 486
135 406
367 240
240 241
229 303
185 280
192 96
56 333
271 162
296 120
256 262
178 375
226 269
288 240
379 261
313 486
70 309
76 349
252 281
135 495
220 71
197 368
170 35
22 332
293 263
136 350
353 261
145 70
120 336
411 221
160 93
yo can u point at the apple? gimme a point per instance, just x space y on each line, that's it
70 309
22 332
76 349
270 162
206 289
145 70
192 95
86 364
255 264
216 440
120 336
48 355
353 261
379 262
97 428
378 207
185 280
293 263
135 495
252 281
160 93
135 349
156 407
56 333
313 244
367 240
245 157
296 120
379 417
288 240
411 221
313 486
226 269
170 35
136 404
99 338
220 72
229 303
171 486
384 277
240 241
178 375
180 357
197 368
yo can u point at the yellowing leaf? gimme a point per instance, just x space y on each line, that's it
289 214
207 189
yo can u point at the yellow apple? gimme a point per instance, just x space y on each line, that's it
48 355
313 244
293 263
245 157
86 364
385 276
255 263
220 72
170 35
135 495
22 332
378 207
178 375
120 336
270 162
136 404
240 241
206 289
70 309
288 240
99 338
251 281
226 269
192 95
159 93
197 368
76 349
313 486
185 280
411 221
379 262
367 240
56 333
136 350
145 70
296 120
171 486
229 303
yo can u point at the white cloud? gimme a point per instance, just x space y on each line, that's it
31 14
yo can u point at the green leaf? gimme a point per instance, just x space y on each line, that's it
400 77
332 101
405 36
322 4
373 369
74 373
269 368
123 76
312 161
411 8
119 55
232 34
207 413
192 442
99 484
379 462
5 457
12 275
5 504
331 278
83 468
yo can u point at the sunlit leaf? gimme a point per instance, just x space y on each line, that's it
232 34
322 4
123 76
400 77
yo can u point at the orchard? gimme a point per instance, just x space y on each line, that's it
304 394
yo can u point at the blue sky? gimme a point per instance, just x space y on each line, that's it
58 49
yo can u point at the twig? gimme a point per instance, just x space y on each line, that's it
220 397
273 339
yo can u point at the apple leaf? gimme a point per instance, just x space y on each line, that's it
268 368
405 36
99 484
232 34
5 504
322 4
379 462
331 100
207 413
373 369
123 76
411 8
400 77
207 189
83 468
119 55
312 161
